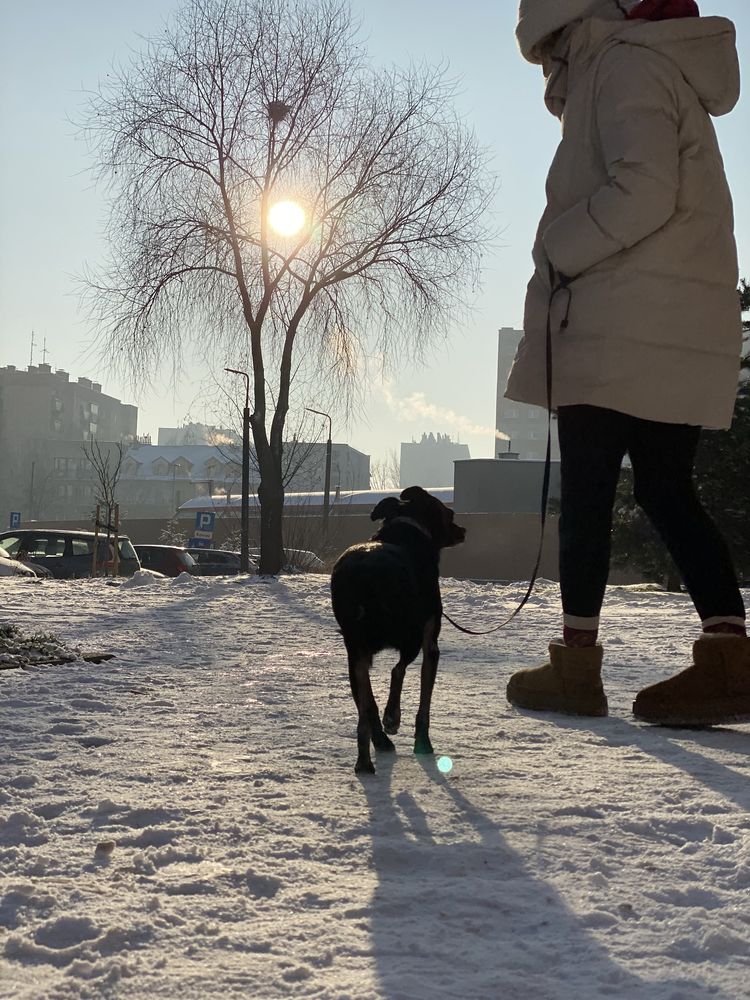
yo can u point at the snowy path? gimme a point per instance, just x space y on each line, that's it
559 859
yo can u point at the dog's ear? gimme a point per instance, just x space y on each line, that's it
416 495
385 509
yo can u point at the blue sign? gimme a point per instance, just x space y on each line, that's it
199 543
15 519
205 520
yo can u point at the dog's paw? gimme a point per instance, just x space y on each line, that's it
391 723
364 767
423 746
383 743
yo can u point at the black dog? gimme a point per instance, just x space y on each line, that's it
386 594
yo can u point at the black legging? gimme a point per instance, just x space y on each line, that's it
593 443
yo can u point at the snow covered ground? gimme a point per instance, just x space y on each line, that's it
184 821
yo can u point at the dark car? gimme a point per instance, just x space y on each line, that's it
171 560
217 562
68 554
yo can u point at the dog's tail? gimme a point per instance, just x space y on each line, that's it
347 606
350 616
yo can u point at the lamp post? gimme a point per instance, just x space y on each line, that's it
245 514
327 486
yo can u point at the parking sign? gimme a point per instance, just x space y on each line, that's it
204 521
15 519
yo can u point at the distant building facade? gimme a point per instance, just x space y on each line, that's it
46 420
196 433
157 479
429 462
503 486
306 466
520 428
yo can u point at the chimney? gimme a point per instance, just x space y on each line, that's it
45 369
96 386
10 368
85 382
61 374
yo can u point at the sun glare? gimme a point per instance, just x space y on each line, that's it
286 218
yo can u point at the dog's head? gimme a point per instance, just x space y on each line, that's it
429 512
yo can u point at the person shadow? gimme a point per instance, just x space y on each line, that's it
714 756
457 911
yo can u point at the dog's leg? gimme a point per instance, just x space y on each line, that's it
359 679
430 658
379 739
392 714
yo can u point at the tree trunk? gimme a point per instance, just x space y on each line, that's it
271 497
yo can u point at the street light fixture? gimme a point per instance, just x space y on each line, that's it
245 512
327 486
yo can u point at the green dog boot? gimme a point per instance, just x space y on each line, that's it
570 683
714 691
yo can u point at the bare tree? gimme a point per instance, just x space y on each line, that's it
239 105
385 472
106 465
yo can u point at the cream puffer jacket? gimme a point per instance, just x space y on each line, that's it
640 216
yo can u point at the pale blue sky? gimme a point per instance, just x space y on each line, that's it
52 217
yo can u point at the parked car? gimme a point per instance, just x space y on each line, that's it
171 560
296 560
67 554
218 562
12 567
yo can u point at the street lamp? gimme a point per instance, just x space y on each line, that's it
327 486
245 514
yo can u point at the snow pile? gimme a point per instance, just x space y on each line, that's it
184 821
17 650
141 578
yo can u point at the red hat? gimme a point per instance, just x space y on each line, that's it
663 10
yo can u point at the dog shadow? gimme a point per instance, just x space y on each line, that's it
458 912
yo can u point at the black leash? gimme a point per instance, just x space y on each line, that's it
561 285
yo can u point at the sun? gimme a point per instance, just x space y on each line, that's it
286 218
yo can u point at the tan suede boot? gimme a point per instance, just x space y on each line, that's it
570 683
714 691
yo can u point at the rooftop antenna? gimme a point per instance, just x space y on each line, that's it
45 352
33 345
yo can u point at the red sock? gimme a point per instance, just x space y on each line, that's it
579 636
725 628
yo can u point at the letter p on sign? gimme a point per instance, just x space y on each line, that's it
204 521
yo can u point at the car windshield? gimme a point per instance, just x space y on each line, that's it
126 549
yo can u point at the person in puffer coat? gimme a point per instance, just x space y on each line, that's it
635 287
